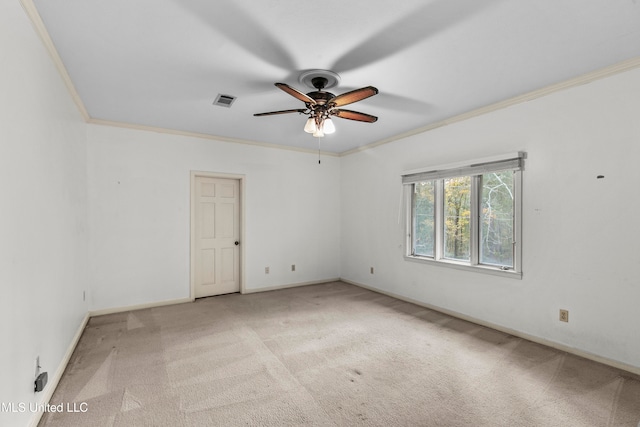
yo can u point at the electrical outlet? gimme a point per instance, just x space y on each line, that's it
293 267
564 315
266 270
371 270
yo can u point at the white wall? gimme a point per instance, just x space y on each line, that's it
581 235
43 204
106 210
139 184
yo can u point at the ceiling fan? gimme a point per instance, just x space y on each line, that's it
320 105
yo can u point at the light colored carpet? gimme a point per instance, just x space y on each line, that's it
331 354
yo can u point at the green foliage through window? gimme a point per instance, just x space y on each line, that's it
457 217
424 218
497 219
467 220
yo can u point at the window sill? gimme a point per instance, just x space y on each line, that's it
484 269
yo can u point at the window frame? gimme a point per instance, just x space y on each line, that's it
475 170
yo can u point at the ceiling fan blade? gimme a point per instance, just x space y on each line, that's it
244 28
426 21
354 115
353 96
296 93
273 113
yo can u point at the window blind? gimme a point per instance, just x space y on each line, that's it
516 163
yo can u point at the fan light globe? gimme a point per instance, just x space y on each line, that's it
319 133
328 126
310 126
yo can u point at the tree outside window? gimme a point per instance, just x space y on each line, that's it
457 217
468 216
497 219
424 218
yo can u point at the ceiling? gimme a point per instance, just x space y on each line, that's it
161 63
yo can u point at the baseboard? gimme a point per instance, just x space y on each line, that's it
291 285
572 350
55 379
113 310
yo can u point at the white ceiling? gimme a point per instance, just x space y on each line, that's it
161 63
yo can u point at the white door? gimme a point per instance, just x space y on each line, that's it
216 235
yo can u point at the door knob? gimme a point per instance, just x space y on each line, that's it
237 243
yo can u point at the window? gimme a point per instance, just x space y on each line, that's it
457 218
467 216
424 218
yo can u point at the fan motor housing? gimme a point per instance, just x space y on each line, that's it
321 97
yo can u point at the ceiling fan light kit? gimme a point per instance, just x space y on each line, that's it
321 105
325 127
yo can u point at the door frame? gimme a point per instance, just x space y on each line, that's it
192 232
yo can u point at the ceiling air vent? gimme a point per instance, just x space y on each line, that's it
224 100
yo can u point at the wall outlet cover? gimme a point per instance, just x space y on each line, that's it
564 315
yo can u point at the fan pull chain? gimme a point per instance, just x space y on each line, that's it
318 150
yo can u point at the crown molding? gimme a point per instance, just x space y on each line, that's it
38 25
206 136
611 70
547 90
